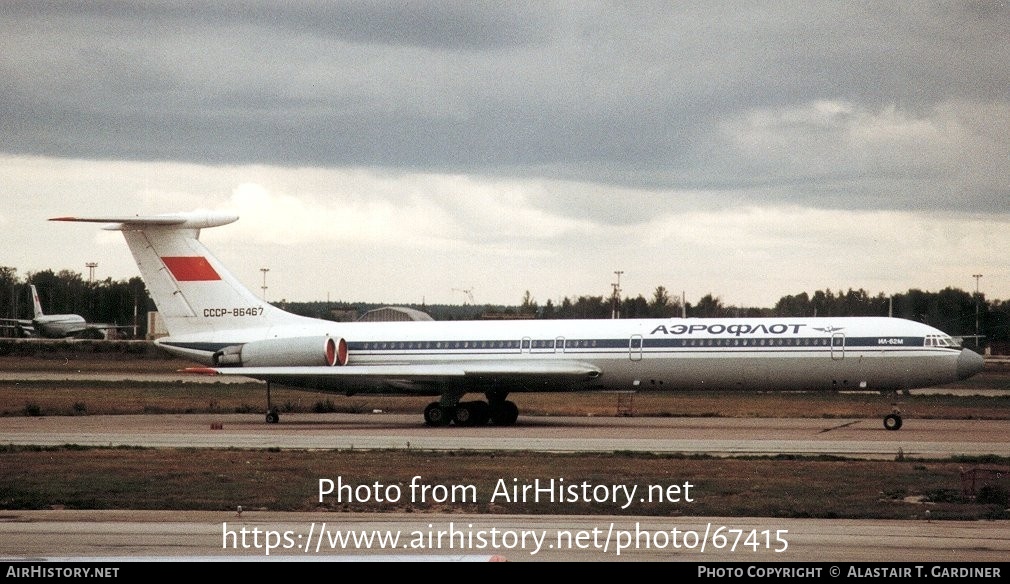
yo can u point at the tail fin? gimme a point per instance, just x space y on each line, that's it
193 291
36 303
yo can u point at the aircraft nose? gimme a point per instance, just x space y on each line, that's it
969 363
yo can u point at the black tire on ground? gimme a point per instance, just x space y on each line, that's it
436 415
504 413
892 422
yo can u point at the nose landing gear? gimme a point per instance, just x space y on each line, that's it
892 421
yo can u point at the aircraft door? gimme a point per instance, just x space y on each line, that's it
838 346
635 348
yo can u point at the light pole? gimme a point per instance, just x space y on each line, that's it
616 312
264 286
976 276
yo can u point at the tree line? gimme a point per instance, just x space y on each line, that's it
951 310
126 302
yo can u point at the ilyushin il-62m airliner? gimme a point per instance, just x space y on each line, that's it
59 326
215 320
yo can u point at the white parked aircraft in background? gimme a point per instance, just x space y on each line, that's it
215 320
59 326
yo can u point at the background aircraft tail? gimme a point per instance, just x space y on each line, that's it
193 291
36 303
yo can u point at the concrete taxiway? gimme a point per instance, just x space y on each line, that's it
227 536
216 536
864 438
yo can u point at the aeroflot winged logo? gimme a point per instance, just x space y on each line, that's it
190 268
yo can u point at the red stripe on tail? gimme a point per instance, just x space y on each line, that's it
190 268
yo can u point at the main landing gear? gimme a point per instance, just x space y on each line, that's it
273 415
497 410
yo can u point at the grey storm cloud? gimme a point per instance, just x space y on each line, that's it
673 99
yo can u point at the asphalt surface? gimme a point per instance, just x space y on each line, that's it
115 536
855 437
229 536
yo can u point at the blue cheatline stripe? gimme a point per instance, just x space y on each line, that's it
624 343
651 345
610 346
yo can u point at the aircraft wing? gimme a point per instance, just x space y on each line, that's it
561 371
89 327
83 327
25 327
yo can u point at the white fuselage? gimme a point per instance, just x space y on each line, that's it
747 354
59 325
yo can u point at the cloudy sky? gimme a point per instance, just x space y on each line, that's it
401 152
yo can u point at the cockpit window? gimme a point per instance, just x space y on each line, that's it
942 341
